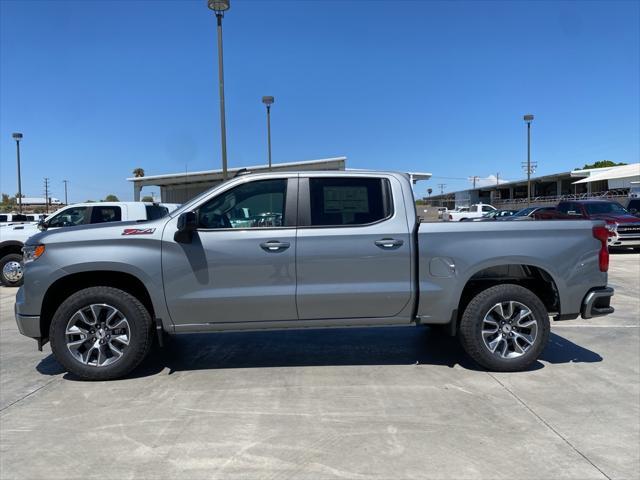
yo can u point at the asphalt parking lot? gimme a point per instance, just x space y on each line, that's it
363 403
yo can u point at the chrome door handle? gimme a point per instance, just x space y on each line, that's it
274 246
389 243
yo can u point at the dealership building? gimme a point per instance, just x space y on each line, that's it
609 182
180 187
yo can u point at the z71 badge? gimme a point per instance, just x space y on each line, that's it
138 231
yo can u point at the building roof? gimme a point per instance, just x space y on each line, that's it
612 173
214 175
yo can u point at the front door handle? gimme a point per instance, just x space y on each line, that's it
274 246
389 243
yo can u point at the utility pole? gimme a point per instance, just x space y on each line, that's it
46 194
498 179
474 179
441 186
65 191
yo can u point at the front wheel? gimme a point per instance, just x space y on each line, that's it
11 270
505 328
101 333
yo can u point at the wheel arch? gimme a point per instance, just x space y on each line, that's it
11 246
65 286
532 277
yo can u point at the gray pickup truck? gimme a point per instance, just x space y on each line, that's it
307 250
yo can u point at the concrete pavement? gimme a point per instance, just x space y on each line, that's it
360 403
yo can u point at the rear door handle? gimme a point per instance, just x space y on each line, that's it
274 246
389 243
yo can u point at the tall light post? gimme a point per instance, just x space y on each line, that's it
268 101
66 202
219 7
17 137
528 118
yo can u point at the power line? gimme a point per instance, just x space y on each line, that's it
441 186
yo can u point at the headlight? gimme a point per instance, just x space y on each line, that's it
32 252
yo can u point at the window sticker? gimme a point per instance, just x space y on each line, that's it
346 199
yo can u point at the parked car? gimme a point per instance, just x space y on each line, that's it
13 237
529 213
633 207
6 218
492 215
624 228
475 211
346 250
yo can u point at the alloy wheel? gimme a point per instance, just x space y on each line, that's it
509 329
97 335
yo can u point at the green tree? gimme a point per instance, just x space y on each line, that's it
5 198
603 164
111 198
138 172
147 198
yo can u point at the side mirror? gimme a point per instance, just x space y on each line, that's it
187 224
42 225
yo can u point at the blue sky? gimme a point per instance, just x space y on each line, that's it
101 87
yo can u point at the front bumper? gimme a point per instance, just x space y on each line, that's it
597 303
28 325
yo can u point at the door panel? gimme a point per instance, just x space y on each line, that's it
352 271
243 271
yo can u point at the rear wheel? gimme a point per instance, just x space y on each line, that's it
101 333
505 328
11 270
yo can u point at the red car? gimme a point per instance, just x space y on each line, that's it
624 227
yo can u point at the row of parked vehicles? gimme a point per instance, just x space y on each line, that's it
17 228
622 223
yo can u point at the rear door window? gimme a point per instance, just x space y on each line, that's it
352 201
104 214
155 212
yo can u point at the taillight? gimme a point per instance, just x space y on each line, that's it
602 234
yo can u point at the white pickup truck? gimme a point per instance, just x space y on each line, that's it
475 211
13 236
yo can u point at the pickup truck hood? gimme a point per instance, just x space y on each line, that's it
99 231
615 218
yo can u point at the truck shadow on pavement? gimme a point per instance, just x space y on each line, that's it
357 346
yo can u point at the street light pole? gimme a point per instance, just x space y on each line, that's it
268 101
528 118
18 136
219 7
65 191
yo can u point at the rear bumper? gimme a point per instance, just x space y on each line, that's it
597 303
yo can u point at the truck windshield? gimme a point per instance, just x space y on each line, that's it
604 207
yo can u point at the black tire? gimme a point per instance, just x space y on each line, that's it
140 326
11 257
471 326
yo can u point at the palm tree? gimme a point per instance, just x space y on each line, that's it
138 172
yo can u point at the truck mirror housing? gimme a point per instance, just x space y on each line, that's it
187 224
42 225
